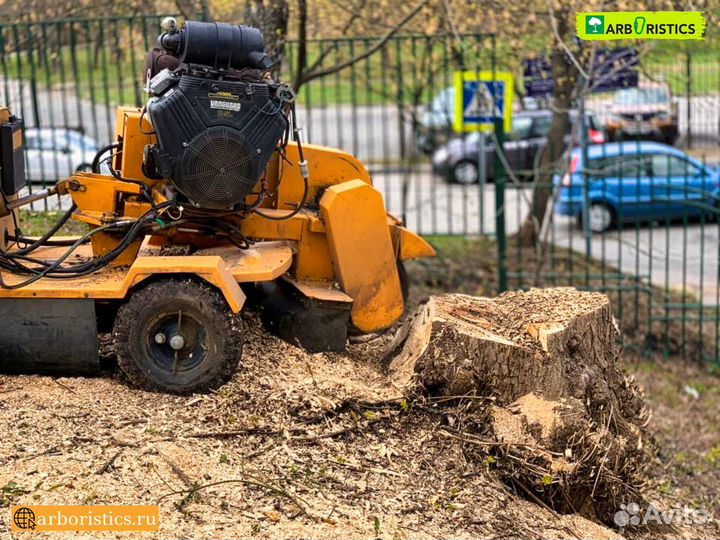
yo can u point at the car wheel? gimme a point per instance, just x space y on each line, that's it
601 218
465 172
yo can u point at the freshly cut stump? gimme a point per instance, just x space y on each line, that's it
567 422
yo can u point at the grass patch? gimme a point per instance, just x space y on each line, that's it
35 223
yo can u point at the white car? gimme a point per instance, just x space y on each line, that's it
52 154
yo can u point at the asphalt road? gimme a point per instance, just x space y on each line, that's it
683 258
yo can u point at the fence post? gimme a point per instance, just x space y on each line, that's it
688 92
204 11
500 206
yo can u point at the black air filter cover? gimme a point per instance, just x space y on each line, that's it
215 137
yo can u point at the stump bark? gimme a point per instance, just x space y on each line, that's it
567 419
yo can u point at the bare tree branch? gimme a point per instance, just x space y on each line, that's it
380 43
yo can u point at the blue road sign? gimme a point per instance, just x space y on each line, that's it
486 95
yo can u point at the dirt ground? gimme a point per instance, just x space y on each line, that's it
289 448
286 449
317 446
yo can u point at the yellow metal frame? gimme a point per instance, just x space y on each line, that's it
222 268
361 246
350 240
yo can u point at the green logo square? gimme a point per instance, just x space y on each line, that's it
595 24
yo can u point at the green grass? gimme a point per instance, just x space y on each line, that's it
34 223
704 70
82 73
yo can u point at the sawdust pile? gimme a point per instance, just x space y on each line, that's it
386 441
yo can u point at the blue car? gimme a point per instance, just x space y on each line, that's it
632 181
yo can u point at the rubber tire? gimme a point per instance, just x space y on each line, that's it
206 305
611 225
84 167
453 175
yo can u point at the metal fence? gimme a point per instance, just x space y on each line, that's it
394 110
638 222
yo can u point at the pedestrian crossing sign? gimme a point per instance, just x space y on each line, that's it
481 97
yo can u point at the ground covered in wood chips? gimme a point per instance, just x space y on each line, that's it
319 446
295 446
288 448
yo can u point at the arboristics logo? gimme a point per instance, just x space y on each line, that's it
641 25
595 24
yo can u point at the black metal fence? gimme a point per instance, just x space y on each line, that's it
637 221
394 109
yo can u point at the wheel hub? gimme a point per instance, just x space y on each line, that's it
466 173
176 341
599 218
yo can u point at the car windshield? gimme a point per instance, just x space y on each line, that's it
444 102
641 96
82 142
521 126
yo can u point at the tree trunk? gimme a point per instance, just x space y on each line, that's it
564 420
271 17
565 77
552 341
194 10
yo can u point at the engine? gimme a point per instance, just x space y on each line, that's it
217 116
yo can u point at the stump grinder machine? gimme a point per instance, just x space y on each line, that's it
211 199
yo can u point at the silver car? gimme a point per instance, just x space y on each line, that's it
52 154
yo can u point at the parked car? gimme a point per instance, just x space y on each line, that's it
458 160
55 153
644 113
630 181
436 123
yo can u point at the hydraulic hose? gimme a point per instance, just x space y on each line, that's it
96 160
49 234
303 172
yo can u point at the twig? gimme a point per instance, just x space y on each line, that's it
61 385
376 470
469 438
71 416
51 450
558 37
232 433
179 473
248 481
110 461
530 494
379 44
327 435
336 433
602 461
259 451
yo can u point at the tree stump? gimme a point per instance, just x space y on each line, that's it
567 421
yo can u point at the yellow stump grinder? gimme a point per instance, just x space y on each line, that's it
211 198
